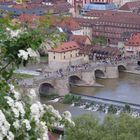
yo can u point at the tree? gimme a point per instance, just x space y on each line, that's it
22 118
101 40
86 128
123 127
127 108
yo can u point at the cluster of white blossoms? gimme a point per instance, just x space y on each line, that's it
5 128
24 54
14 33
32 120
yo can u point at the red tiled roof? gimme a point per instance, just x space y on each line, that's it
70 23
81 39
113 51
134 40
65 47
29 18
130 6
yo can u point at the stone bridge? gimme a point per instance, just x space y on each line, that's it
61 85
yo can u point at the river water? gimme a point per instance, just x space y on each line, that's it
126 88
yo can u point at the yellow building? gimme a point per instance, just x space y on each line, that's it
66 54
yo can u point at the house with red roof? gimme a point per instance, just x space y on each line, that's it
65 54
31 20
132 45
72 25
81 39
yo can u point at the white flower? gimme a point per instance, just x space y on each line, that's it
11 87
27 124
10 101
20 108
45 136
16 112
32 93
16 124
31 52
4 125
16 94
13 33
67 114
10 136
23 54
44 126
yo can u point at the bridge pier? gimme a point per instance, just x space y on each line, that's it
88 78
111 72
62 86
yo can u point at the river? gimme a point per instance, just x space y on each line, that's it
126 88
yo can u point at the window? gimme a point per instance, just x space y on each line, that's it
64 57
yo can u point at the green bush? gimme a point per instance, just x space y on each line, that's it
69 99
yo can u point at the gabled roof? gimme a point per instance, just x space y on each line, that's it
69 23
65 47
129 6
30 18
134 40
80 39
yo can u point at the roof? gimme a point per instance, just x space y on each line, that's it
65 47
80 39
30 18
113 51
134 40
97 6
129 6
69 23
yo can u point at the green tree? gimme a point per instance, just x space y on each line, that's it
127 108
86 128
101 40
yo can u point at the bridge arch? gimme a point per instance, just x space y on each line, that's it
74 79
121 68
46 89
99 73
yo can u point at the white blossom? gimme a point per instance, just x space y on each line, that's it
31 52
32 93
16 112
14 33
27 124
20 108
23 54
4 125
11 87
16 94
10 136
10 101
67 114
16 124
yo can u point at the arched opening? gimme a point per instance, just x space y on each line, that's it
73 80
99 74
121 68
46 89
79 9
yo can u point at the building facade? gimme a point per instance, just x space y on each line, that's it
132 45
65 55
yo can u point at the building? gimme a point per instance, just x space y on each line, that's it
99 53
80 39
130 6
132 45
114 25
71 25
64 55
